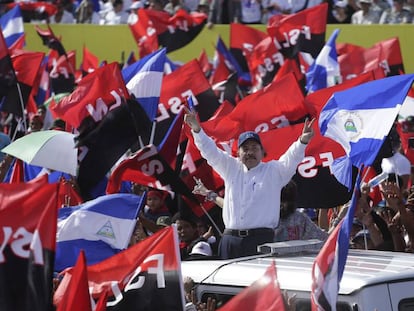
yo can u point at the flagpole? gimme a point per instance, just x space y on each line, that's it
22 106
152 132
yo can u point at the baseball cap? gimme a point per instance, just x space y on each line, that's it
136 5
201 248
164 221
246 136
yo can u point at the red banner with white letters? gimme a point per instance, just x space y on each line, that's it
146 276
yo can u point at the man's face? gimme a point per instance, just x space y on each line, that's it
251 153
186 232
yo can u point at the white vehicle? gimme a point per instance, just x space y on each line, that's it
372 280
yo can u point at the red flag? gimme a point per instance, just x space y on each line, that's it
8 78
179 30
263 295
264 61
243 39
176 87
264 110
77 296
38 6
205 64
317 100
145 34
148 167
96 94
385 55
68 195
62 73
303 31
28 216
90 61
146 276
17 173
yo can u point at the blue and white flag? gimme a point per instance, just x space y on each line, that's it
324 71
101 227
144 80
12 25
360 118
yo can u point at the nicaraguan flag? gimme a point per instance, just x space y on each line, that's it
324 71
329 265
12 25
144 79
101 227
360 118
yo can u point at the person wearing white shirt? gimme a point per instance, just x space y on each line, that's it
251 206
62 16
116 16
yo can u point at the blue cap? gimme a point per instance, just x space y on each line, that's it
248 135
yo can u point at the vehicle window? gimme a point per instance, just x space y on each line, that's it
305 305
406 304
301 304
221 299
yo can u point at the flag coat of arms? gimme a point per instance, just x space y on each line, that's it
101 227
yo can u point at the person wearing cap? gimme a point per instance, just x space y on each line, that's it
366 15
133 12
189 237
251 206
153 211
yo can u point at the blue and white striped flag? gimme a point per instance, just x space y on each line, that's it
101 227
12 25
144 79
360 118
324 71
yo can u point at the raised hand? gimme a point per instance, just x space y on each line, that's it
191 119
307 132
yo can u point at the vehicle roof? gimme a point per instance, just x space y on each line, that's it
363 268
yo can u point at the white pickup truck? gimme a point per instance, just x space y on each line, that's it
372 280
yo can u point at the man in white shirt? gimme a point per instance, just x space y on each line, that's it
251 206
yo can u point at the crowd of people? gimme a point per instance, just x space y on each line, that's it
114 12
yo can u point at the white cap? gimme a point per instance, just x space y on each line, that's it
201 248
136 5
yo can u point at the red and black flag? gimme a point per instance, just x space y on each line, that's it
102 146
145 33
28 218
385 55
77 291
243 39
179 30
261 111
148 167
8 79
317 186
264 62
90 61
300 32
146 276
96 94
50 40
62 72
20 97
187 80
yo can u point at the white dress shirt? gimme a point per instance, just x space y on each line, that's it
252 197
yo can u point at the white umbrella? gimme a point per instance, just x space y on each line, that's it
51 149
